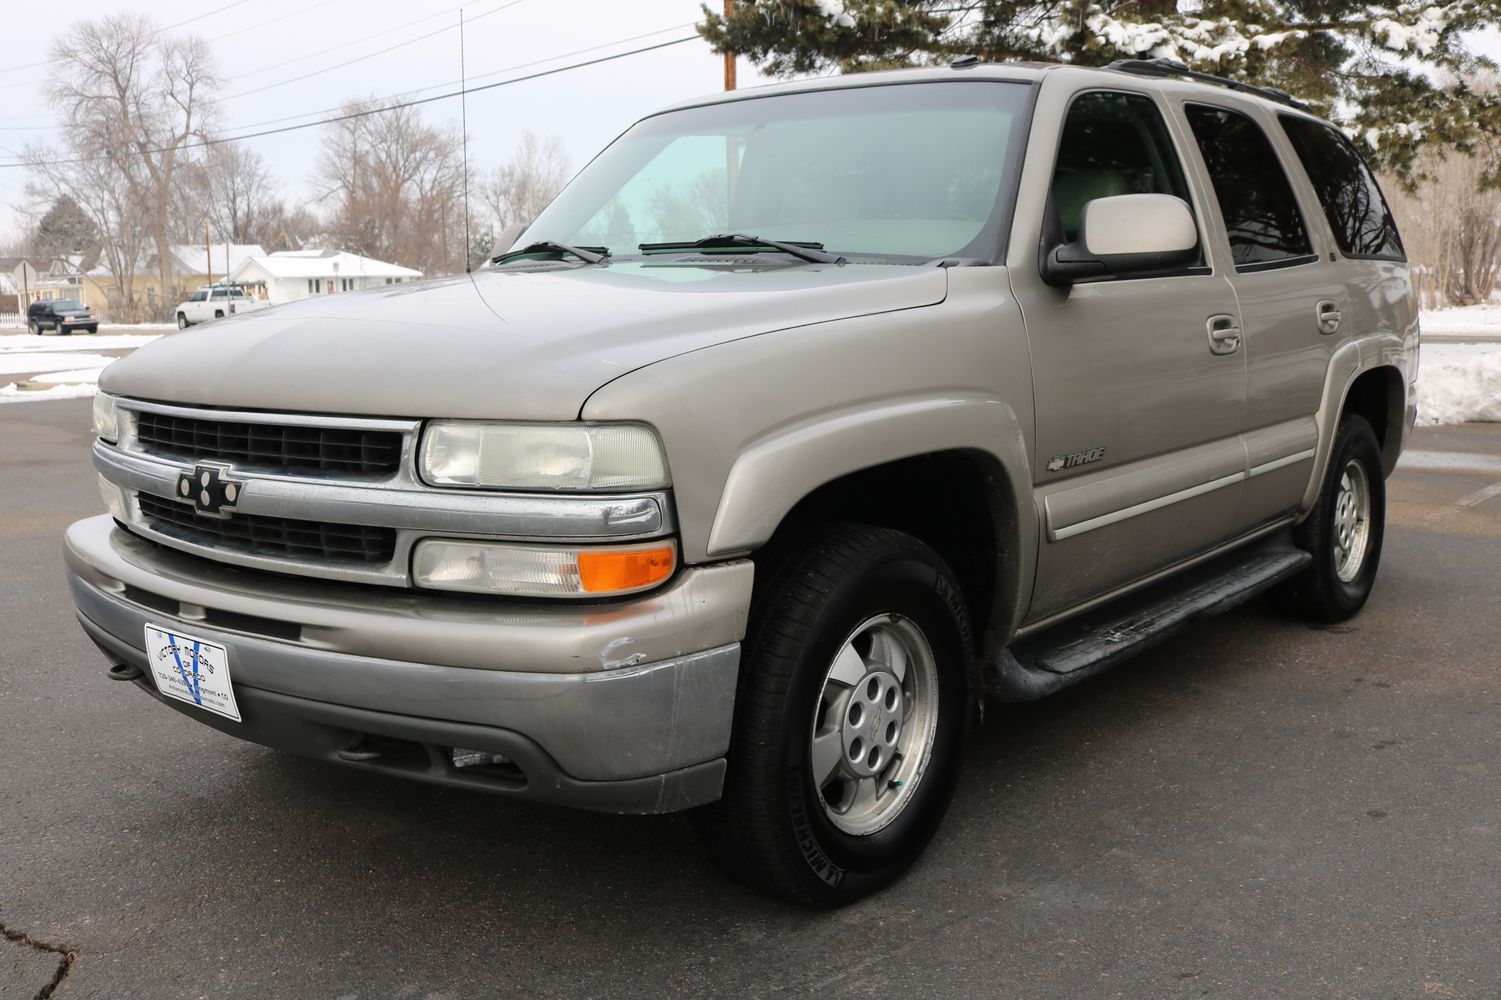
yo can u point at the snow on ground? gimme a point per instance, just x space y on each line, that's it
12 393
78 376
25 343
1459 378
16 364
1483 322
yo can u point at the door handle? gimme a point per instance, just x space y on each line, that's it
1329 317
1224 335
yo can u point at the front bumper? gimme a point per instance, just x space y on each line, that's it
624 706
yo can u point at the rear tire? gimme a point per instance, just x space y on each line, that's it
855 694
1343 532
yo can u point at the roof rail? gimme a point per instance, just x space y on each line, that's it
1172 67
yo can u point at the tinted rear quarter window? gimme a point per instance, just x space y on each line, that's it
1255 197
1353 203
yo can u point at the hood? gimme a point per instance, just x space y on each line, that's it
509 344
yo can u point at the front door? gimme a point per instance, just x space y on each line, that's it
1139 407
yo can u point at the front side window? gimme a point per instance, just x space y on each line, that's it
1255 197
911 171
1357 211
1113 143
199 297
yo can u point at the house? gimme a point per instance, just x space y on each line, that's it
57 277
289 275
191 265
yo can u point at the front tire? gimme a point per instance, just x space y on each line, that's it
1343 532
855 695
182 322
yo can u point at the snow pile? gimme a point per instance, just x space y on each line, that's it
1453 392
13 393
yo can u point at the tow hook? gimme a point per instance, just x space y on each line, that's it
123 672
359 751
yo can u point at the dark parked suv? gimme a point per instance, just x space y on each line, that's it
62 315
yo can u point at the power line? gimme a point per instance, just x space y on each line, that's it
158 31
365 113
371 55
404 94
258 25
343 45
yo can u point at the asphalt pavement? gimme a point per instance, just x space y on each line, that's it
1257 808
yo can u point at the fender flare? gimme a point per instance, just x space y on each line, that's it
774 473
1346 365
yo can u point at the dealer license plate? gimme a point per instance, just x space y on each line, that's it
192 670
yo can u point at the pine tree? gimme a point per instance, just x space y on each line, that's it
63 229
1397 76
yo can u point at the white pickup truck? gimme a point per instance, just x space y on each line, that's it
216 302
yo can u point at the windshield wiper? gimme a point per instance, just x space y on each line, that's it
813 253
589 255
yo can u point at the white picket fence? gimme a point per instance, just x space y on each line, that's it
10 319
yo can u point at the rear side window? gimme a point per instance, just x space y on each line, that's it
1255 197
1357 211
1113 143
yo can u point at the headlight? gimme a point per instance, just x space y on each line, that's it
106 418
527 571
542 456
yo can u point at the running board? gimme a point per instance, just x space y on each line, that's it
1068 653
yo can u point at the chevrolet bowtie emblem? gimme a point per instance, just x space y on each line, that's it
208 489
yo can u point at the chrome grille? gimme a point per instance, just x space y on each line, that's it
277 446
277 537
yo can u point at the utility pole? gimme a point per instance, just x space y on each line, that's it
208 251
729 57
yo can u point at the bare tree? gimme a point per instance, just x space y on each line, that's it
108 199
130 99
236 187
518 191
1451 225
395 184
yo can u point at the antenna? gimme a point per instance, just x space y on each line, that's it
464 126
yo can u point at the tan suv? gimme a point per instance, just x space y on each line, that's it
801 420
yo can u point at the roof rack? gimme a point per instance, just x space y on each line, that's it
1172 67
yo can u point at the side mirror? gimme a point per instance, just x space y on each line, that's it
1127 235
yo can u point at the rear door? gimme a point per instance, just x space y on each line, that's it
1138 461
1285 291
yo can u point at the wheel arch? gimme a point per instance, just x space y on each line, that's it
953 473
1364 375
1379 395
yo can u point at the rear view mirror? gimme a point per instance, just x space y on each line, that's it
1127 235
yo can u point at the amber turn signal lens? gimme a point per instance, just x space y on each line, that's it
605 572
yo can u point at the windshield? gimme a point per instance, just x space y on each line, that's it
904 171
66 305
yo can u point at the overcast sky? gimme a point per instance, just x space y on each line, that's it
585 108
263 45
